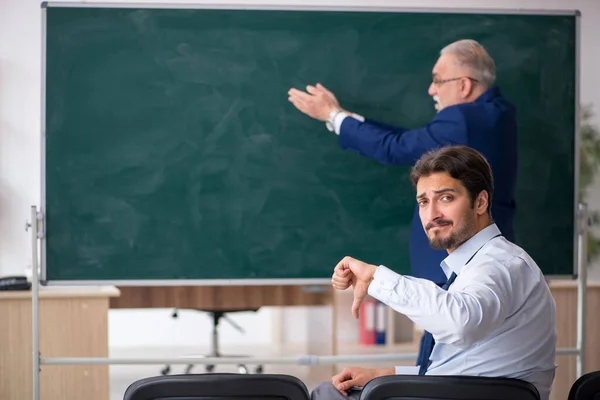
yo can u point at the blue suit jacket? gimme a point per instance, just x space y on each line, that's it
488 125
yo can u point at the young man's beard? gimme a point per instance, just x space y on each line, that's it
456 238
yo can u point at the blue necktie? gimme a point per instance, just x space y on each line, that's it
427 341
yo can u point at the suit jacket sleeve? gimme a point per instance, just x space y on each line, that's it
398 146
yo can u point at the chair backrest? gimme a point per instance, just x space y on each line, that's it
224 386
587 387
412 387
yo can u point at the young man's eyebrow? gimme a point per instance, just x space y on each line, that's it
444 190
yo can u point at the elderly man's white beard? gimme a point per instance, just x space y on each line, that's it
438 106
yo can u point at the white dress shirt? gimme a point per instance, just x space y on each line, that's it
497 319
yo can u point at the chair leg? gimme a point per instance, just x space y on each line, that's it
209 368
167 368
217 315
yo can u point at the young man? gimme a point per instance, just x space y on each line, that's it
471 111
494 317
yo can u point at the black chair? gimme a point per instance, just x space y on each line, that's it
221 386
217 315
587 387
411 387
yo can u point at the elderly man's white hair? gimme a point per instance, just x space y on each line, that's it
472 55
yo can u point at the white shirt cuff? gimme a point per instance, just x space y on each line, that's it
340 117
384 282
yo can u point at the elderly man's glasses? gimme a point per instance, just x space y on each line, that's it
438 82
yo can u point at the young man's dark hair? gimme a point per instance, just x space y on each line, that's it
462 163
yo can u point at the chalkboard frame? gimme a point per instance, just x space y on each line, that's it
308 282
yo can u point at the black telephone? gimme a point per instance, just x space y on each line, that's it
14 283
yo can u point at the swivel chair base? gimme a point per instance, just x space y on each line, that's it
217 315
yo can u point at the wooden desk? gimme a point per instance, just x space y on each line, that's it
73 322
221 297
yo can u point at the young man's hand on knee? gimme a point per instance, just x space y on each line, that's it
355 376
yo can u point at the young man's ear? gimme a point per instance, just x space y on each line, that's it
482 202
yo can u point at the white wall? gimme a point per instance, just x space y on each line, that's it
190 329
20 156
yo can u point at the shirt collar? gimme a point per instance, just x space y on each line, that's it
463 254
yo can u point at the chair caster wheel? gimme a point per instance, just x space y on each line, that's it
210 368
259 369
166 370
242 369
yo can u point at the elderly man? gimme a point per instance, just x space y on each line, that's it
471 111
494 317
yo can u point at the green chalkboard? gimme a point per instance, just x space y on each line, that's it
172 152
